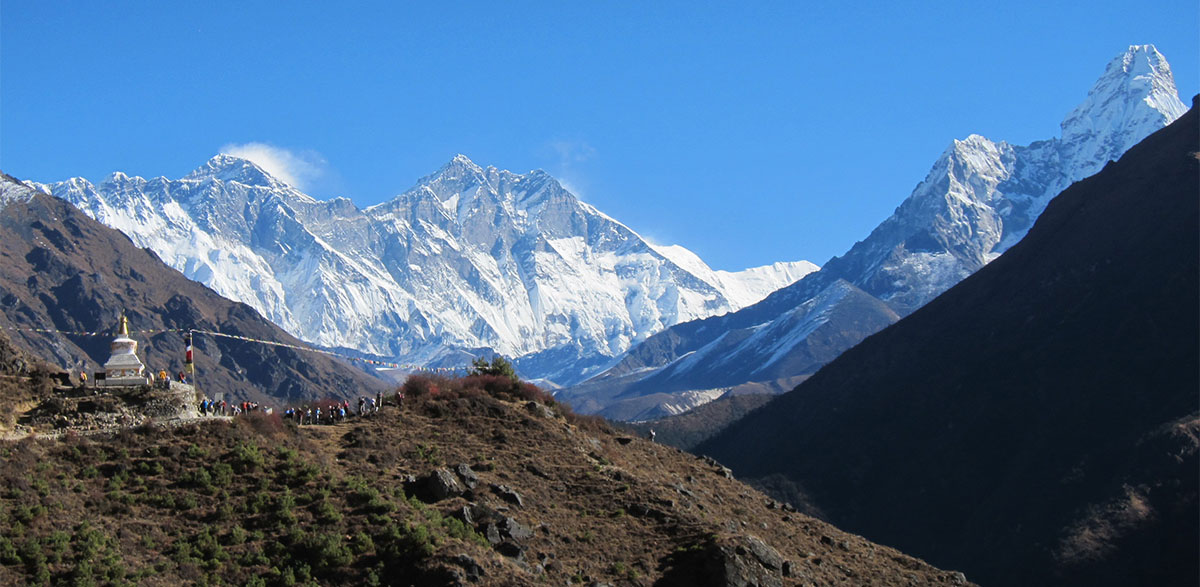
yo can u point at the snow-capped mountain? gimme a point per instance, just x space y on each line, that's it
980 198
470 258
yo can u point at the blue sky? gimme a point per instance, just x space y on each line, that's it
749 132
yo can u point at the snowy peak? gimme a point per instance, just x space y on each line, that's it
13 190
1135 96
458 174
230 168
460 166
470 257
980 197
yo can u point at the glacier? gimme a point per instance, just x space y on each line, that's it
470 260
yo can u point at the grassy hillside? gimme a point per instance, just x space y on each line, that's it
463 485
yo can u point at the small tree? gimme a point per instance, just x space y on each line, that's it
498 366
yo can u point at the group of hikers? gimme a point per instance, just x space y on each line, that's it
334 412
163 380
210 407
329 413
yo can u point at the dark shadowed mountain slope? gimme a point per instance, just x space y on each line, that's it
61 270
1036 424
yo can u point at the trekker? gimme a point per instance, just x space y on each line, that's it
362 403
652 435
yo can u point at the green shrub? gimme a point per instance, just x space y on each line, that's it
456 528
326 513
325 551
361 543
222 474
247 457
499 367
285 503
8 552
237 535
187 502
198 478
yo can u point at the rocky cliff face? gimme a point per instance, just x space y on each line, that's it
470 258
979 199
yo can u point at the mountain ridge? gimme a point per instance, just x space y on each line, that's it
62 271
470 259
1073 461
978 199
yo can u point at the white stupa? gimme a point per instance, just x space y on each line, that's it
124 367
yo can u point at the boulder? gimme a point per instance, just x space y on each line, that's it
473 571
739 561
508 494
467 475
538 409
441 484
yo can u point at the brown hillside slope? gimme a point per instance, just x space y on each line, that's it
545 499
61 270
23 383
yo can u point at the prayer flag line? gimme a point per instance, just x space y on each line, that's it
410 367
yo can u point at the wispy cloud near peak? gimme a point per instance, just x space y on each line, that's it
299 170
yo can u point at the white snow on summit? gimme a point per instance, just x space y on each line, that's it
14 191
469 258
980 197
745 287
